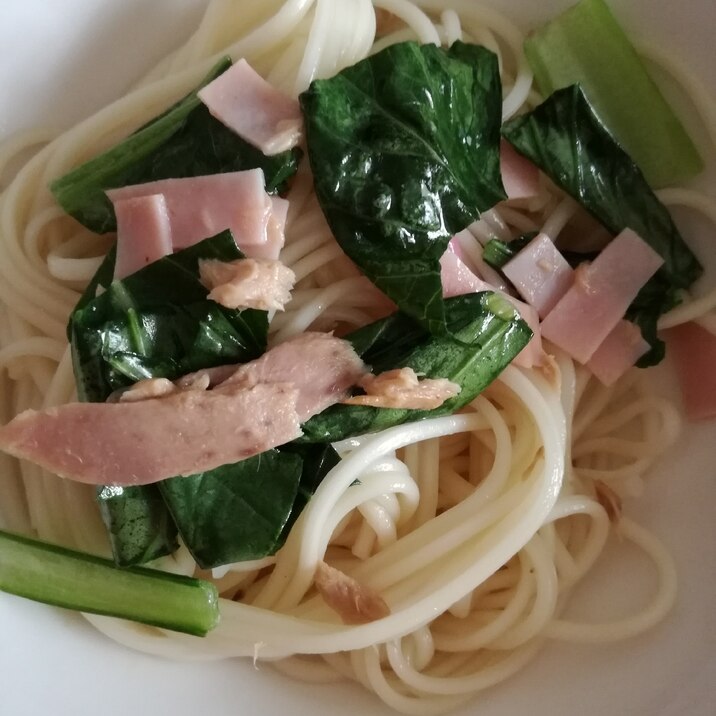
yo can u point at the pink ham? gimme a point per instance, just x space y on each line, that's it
188 431
600 295
694 351
519 176
275 231
143 233
458 279
141 442
540 274
242 100
324 366
618 352
200 207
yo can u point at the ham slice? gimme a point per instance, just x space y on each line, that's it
694 351
203 206
618 352
141 442
600 295
540 274
248 283
520 176
143 233
400 388
324 366
185 432
242 100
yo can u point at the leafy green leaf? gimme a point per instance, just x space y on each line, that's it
404 148
497 253
566 139
485 334
184 141
156 323
236 512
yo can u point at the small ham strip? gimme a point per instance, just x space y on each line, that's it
540 273
324 366
200 207
520 176
143 233
694 351
353 602
139 443
146 389
600 295
248 283
618 352
242 100
400 388
275 231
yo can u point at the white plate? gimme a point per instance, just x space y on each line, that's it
60 61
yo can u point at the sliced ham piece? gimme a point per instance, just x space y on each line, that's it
694 351
203 206
400 388
353 602
540 274
248 283
324 366
520 176
242 100
458 279
618 352
185 432
275 231
144 233
600 295
138 443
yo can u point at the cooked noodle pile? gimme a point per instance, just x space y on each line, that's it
487 518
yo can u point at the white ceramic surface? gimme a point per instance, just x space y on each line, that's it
62 59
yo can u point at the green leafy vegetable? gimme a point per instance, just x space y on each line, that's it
497 253
54 575
485 334
184 141
236 512
156 323
586 45
566 139
140 528
404 148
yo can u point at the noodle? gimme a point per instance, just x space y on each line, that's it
487 518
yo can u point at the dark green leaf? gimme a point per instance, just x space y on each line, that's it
140 528
156 323
236 512
404 148
497 253
566 139
184 141
485 334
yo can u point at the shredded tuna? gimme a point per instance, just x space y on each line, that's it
324 367
183 433
145 389
352 601
242 100
400 388
263 284
609 500
386 22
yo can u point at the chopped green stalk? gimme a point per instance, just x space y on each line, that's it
586 46
65 578
497 253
